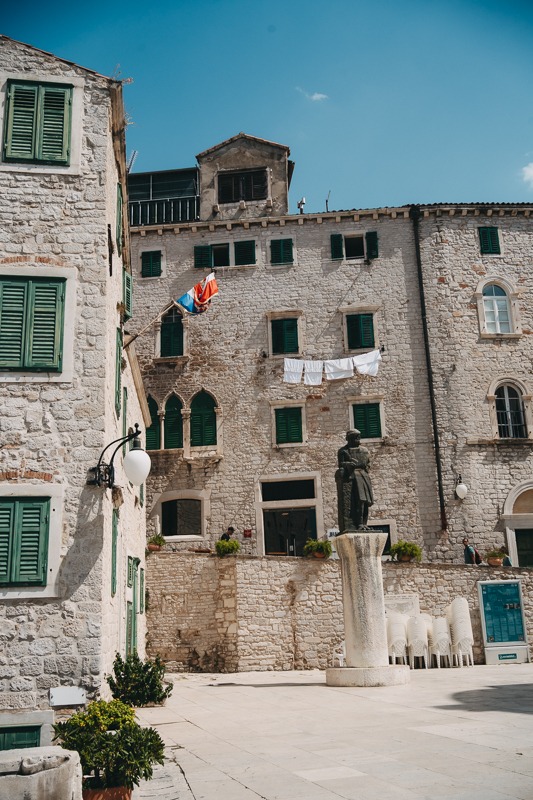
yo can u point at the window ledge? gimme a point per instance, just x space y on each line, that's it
211 457
486 335
286 445
501 442
171 360
185 538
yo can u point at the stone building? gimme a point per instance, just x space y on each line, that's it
443 290
71 554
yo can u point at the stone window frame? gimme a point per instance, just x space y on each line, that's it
275 265
76 124
521 387
315 502
69 275
274 404
513 305
368 308
56 551
203 495
513 521
21 719
365 400
288 314
393 527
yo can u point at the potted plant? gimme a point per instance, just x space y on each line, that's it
156 542
227 548
494 558
406 551
138 683
115 752
317 548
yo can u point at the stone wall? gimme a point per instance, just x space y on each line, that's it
243 613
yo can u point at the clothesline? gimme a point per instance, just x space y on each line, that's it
335 369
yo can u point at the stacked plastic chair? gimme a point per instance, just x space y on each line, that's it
417 640
458 616
440 643
397 637
339 655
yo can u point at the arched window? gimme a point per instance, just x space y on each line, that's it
172 334
173 423
153 433
497 309
510 413
203 420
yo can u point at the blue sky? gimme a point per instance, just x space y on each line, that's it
381 103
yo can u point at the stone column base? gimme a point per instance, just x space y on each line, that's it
391 675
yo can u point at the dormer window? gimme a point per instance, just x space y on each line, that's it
246 185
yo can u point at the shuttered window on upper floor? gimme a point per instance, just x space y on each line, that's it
354 246
151 264
284 335
289 425
246 185
38 122
281 251
203 421
24 524
489 241
367 419
360 331
31 324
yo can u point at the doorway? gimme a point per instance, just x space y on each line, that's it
287 530
524 546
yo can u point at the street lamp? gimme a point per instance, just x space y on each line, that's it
461 489
136 463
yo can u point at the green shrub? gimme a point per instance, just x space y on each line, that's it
114 750
227 548
403 548
157 539
137 682
317 546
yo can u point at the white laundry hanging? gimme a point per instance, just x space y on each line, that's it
367 363
313 372
339 368
292 370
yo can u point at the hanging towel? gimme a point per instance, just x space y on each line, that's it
313 372
367 363
340 368
292 372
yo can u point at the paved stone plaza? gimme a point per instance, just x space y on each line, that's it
451 734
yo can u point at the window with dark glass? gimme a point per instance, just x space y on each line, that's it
246 185
182 517
172 334
510 413
153 432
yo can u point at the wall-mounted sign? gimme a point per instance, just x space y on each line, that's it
502 621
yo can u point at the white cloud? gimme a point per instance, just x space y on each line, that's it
315 97
527 174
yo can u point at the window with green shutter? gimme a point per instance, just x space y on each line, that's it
31 324
141 591
284 335
288 425
244 253
489 241
172 334
141 495
130 629
173 423
20 736
120 203
127 294
114 546
281 251
360 331
337 245
354 246
125 419
151 264
24 525
203 421
118 372
38 122
203 256
153 433
367 419
131 569
372 249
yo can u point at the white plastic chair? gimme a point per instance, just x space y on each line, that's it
397 640
339 655
417 640
440 642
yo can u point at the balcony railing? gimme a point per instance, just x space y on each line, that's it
163 212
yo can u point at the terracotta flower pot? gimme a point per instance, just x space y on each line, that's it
319 555
114 793
494 562
406 558
154 548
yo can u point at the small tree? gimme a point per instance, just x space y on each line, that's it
137 682
227 548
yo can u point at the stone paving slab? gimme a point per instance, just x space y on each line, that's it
450 734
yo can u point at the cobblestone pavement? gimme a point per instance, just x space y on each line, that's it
168 782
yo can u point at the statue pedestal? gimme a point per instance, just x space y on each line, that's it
367 658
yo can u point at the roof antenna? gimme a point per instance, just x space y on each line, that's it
301 204
327 201
131 160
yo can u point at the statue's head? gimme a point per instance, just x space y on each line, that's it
353 435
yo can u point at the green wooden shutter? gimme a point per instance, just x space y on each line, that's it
153 433
44 337
130 649
371 244
203 256
29 558
13 302
118 372
141 495
172 335
7 526
244 253
20 736
130 571
114 546
360 330
21 126
367 419
173 424
125 418
141 591
203 421
288 425
337 245
54 131
281 251
127 294
489 241
285 335
151 264
119 217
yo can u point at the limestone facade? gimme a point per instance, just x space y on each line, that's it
62 223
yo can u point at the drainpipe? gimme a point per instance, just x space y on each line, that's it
414 214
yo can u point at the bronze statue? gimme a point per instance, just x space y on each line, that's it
354 488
